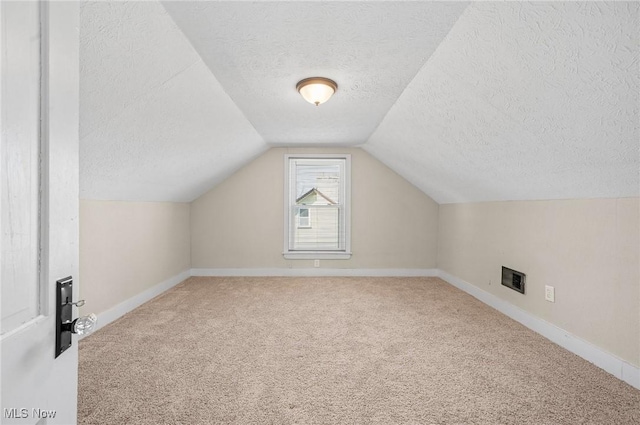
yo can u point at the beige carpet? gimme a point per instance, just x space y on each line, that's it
335 351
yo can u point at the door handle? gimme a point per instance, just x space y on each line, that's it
64 313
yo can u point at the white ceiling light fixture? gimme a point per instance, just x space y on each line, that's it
316 90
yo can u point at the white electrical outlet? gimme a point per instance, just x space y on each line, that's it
550 293
316 263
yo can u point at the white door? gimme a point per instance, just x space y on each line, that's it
39 207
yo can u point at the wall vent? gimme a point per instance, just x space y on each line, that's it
513 279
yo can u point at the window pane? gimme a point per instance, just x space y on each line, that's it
303 218
318 183
324 233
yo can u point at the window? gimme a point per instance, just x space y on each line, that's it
304 222
317 206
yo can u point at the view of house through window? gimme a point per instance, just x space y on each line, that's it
317 204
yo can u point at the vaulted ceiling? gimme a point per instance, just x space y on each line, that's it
469 102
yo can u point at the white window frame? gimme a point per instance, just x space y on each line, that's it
289 192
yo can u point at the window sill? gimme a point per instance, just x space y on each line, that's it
317 255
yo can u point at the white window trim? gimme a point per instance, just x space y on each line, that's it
318 255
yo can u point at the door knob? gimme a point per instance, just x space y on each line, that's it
82 325
64 312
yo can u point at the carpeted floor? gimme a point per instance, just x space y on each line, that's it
335 351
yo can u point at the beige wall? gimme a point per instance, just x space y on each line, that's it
240 222
128 247
587 249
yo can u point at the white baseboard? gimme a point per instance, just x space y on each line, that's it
596 355
126 306
315 272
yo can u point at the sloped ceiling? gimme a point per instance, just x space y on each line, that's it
479 102
155 124
523 101
259 51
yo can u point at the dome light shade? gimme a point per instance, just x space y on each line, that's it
317 90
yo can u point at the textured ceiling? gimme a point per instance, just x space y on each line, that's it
523 101
155 125
494 101
259 51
